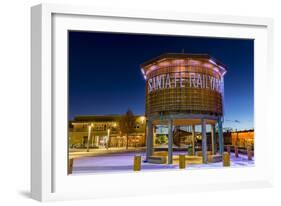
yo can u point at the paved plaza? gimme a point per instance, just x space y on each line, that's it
123 162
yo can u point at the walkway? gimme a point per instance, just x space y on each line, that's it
123 162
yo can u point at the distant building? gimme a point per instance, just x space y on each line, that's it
104 129
243 138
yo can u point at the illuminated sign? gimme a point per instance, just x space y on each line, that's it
184 79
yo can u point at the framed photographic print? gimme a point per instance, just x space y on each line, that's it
138 102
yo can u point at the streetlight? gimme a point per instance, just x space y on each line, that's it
107 139
89 135
142 118
108 134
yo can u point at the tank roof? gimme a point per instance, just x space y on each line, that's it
183 55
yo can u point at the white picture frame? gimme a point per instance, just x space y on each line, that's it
49 179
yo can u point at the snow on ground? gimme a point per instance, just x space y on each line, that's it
123 162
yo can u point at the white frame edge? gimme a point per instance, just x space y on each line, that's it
40 99
41 75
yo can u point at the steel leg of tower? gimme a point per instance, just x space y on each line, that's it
221 144
149 139
213 134
170 143
193 139
204 142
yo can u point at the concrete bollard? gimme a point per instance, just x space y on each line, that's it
228 149
249 152
182 164
137 163
226 159
70 166
236 151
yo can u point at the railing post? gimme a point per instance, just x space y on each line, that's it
70 166
236 151
182 164
228 149
249 152
226 159
137 163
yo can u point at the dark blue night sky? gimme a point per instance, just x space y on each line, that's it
105 76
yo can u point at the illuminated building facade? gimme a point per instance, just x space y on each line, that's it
102 131
242 138
184 90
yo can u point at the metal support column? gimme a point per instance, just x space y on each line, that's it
213 133
170 142
154 136
149 138
193 139
220 131
204 142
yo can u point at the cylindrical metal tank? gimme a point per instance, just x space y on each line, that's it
184 83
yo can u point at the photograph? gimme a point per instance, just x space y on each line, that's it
142 102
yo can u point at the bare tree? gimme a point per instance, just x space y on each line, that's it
127 124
